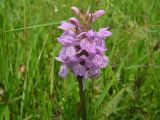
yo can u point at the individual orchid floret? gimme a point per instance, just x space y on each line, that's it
66 40
66 26
103 33
75 22
79 70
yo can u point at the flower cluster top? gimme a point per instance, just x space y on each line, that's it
83 49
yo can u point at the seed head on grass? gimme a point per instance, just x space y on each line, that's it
83 49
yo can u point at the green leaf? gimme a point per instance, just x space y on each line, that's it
4 113
104 93
112 104
1 21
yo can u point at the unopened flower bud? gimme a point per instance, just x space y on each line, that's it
75 10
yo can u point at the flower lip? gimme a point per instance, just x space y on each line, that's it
68 51
103 33
66 26
63 70
79 69
66 40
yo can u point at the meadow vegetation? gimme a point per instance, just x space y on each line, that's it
30 87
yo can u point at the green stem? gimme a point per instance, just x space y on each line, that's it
82 98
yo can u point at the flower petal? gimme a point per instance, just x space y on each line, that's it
68 33
79 70
90 35
66 26
75 22
75 10
99 13
59 58
99 60
88 45
103 32
68 51
66 40
93 72
105 62
63 70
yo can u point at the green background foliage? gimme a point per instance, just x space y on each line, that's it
128 89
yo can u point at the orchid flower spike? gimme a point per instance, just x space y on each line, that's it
83 49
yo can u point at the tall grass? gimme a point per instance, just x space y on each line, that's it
127 89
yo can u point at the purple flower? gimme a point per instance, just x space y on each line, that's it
66 26
63 70
96 15
90 34
103 33
75 22
99 13
75 10
93 72
66 40
98 60
83 50
88 45
79 69
68 51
